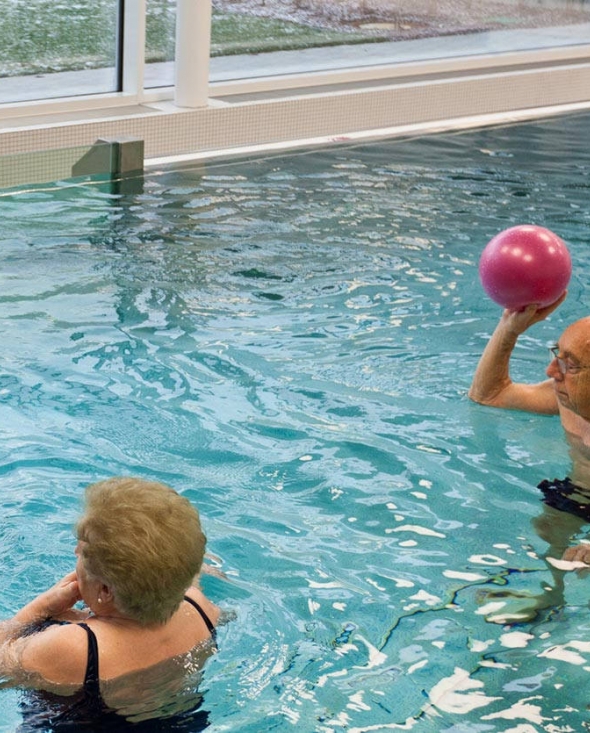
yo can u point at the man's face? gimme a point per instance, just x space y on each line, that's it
571 370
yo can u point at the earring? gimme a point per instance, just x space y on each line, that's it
99 600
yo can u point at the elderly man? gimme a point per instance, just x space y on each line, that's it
566 393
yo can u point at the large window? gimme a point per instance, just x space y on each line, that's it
255 38
56 48
59 48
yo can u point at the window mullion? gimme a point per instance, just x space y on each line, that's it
133 13
193 47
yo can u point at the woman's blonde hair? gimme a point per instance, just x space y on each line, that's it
144 541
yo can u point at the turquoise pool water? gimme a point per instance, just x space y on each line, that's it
289 341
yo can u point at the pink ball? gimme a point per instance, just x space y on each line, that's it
525 264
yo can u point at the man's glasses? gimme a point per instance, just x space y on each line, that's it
565 366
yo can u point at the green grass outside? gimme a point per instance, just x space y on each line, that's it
232 34
41 36
54 35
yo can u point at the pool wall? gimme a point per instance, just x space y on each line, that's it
436 94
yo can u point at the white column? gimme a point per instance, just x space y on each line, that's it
193 48
134 47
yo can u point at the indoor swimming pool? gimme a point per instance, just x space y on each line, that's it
288 341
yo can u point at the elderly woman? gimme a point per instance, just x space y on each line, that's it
145 626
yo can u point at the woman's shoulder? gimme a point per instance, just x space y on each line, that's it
57 653
208 607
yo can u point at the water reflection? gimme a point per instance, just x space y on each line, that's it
290 341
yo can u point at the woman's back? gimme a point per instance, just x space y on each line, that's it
130 675
125 647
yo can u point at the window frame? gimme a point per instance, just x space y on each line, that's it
193 87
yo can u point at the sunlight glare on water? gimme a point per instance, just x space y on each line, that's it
289 341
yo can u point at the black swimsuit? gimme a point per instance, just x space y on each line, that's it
567 497
91 684
87 707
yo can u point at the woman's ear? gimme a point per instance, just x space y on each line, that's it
105 594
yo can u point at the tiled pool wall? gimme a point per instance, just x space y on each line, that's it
477 95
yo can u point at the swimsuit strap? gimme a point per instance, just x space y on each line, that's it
204 616
91 685
91 677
